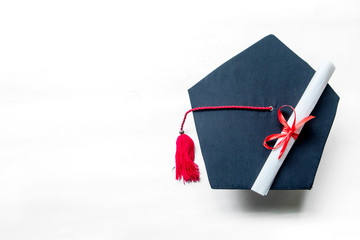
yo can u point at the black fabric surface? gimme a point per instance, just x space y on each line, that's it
266 74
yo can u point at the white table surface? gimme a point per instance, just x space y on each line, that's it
92 94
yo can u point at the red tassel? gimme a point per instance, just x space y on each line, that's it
185 154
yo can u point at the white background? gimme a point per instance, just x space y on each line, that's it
92 94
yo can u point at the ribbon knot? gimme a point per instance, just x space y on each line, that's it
287 132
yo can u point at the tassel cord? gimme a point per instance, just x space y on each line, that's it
186 168
221 108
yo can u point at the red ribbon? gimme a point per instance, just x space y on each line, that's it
287 131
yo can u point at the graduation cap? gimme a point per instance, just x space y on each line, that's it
264 94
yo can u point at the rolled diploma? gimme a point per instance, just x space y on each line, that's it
303 109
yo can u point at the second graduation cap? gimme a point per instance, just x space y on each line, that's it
242 100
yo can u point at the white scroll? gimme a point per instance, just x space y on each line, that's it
303 109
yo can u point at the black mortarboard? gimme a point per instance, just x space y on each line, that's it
266 74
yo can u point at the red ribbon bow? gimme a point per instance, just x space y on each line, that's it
287 131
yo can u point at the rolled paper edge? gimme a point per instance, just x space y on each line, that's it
303 109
